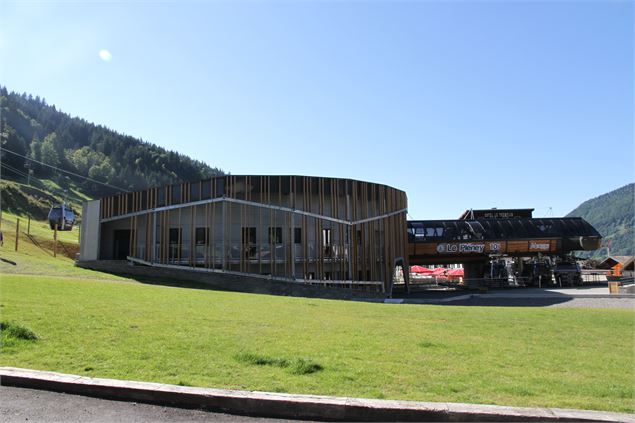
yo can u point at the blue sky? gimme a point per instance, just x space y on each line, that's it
461 104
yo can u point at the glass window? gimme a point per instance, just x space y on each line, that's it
176 194
195 194
160 197
55 213
249 235
202 234
206 189
220 187
175 235
326 236
275 235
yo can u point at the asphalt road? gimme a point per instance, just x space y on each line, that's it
22 405
621 303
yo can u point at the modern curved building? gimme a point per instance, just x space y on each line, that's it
253 232
339 232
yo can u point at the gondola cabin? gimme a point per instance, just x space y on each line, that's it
62 217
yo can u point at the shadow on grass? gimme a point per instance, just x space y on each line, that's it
12 263
11 330
514 297
165 281
510 302
296 366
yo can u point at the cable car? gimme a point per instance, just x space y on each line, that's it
62 217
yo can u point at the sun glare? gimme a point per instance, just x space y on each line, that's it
105 55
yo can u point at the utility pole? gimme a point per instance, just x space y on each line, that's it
55 241
1 157
17 233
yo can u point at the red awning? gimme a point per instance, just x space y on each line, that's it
439 271
456 272
420 270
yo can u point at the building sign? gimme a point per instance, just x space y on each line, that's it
467 247
496 214
539 245
494 247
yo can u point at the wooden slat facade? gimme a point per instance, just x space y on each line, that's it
308 228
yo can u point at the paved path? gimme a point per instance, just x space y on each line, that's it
579 297
21 404
564 302
577 291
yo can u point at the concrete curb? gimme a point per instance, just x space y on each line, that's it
292 406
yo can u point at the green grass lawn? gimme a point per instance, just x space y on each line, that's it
569 358
39 228
95 324
35 254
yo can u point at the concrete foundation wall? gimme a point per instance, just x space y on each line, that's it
227 282
90 227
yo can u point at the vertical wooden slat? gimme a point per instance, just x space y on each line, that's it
193 237
258 235
271 246
243 241
213 236
149 245
131 237
206 225
166 235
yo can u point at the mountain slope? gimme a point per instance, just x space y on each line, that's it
613 215
32 128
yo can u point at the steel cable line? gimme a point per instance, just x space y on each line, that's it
14 170
44 188
66 171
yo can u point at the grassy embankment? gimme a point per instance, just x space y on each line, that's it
35 251
570 358
36 199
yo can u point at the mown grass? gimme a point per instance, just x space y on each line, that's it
562 357
36 199
35 253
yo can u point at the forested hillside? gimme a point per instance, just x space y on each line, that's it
613 215
32 128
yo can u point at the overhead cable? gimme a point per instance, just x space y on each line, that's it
65 171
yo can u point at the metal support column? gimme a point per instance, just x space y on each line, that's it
349 253
154 237
224 239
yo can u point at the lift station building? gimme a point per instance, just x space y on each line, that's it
302 229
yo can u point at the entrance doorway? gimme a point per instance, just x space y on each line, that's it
121 244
